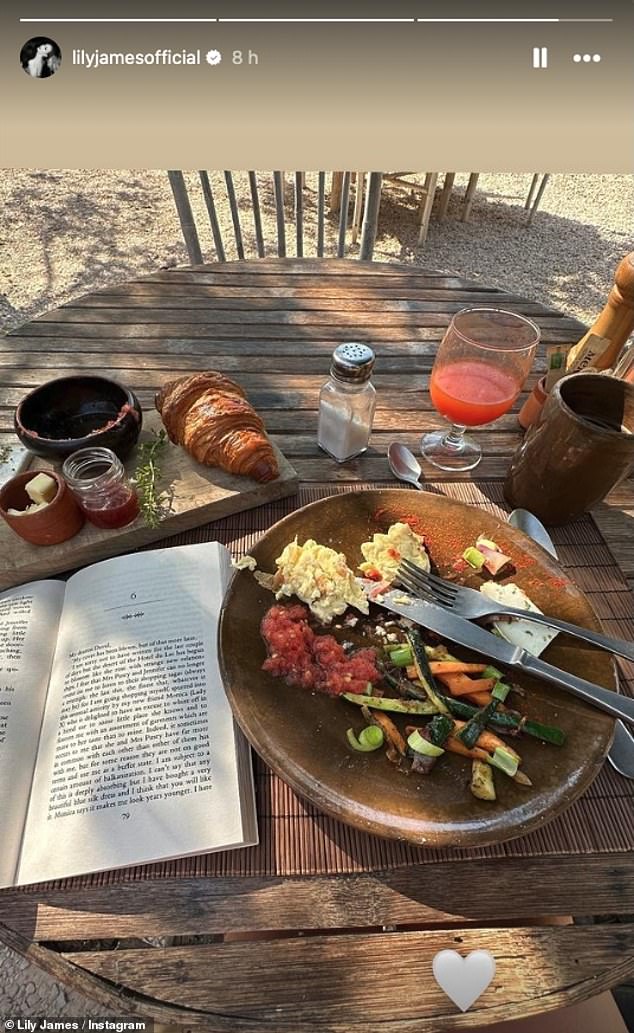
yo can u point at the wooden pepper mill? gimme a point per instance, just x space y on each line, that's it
601 347
615 323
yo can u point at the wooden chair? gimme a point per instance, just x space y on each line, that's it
531 203
427 191
301 245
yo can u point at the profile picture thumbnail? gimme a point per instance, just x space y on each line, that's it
40 57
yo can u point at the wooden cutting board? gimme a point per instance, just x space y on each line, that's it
198 495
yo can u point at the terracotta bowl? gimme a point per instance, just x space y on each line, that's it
60 520
65 415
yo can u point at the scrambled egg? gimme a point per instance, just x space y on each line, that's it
246 563
385 552
320 577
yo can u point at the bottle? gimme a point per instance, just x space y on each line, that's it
531 410
98 481
615 323
625 368
347 402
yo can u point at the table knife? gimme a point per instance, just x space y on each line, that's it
621 752
457 629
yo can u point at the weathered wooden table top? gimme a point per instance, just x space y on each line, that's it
274 323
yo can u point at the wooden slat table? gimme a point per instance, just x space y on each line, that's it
365 956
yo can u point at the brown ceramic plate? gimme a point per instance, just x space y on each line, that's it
303 736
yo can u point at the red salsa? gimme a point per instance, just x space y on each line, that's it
312 661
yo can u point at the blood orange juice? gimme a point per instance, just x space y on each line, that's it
470 393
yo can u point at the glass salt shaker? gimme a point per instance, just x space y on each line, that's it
347 402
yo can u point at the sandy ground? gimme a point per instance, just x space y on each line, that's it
64 233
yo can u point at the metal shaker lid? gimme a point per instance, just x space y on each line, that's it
352 362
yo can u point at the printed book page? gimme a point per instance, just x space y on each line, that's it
137 758
29 618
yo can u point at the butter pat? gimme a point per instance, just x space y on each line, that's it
33 508
534 638
41 489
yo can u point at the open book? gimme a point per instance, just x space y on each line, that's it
117 743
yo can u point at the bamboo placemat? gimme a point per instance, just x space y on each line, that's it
297 839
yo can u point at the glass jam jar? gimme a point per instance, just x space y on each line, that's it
99 483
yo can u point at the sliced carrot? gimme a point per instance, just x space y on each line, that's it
458 684
456 746
487 744
481 699
488 741
483 684
454 667
461 685
411 673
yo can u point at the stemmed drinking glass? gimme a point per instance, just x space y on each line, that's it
480 368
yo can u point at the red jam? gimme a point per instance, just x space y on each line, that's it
311 661
120 509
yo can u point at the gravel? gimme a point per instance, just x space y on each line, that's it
65 233
27 991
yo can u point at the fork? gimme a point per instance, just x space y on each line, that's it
465 602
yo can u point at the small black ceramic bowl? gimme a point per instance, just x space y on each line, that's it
78 412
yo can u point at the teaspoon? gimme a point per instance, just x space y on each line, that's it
404 464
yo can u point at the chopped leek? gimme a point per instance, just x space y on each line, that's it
369 739
500 691
503 760
488 544
401 656
492 672
474 558
419 744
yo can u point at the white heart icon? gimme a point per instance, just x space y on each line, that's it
463 979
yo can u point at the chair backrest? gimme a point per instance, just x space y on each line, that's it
302 246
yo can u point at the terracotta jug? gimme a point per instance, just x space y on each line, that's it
581 446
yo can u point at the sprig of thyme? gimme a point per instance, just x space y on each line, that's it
5 453
147 475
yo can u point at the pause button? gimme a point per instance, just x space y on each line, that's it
540 57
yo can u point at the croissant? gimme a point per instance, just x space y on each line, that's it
210 417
